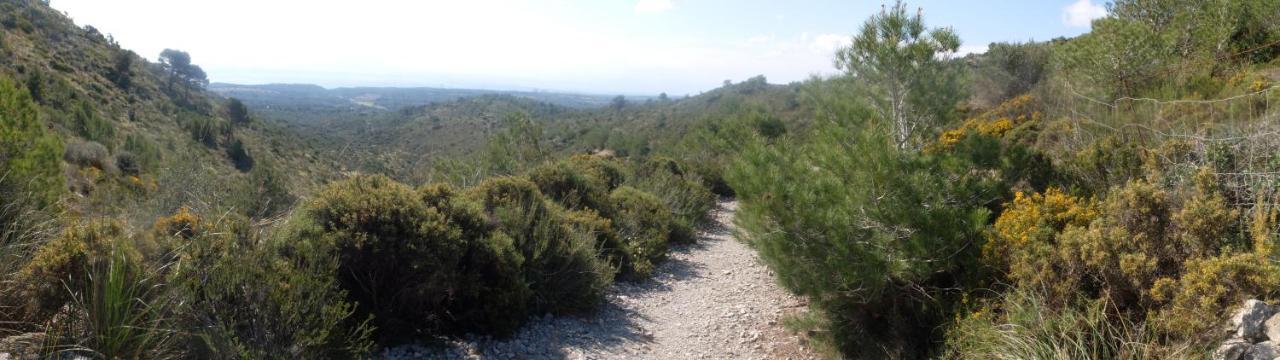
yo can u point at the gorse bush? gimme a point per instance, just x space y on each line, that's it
57 272
1026 233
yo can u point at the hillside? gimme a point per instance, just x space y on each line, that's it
145 216
111 106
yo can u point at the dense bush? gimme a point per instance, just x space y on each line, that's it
643 222
418 262
572 187
560 265
688 198
245 300
873 235
88 153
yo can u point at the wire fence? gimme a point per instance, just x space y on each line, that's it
1237 136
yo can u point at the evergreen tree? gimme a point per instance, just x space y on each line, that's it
904 68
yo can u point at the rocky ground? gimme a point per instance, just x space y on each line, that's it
710 300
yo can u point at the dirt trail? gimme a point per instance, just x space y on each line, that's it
711 300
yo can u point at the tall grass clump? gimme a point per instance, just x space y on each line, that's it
126 311
1029 327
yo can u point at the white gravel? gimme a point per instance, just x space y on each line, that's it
711 300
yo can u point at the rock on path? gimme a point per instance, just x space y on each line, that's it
710 300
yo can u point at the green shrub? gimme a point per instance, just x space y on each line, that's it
605 171
146 151
643 222
873 235
413 259
600 231
239 155
28 153
560 265
89 125
571 187
252 297
128 163
268 191
689 199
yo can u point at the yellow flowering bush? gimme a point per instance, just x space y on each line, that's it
994 123
183 223
1025 234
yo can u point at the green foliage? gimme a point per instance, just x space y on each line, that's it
268 191
237 112
1007 70
1175 45
900 64
125 312
643 222
89 125
515 148
28 152
207 130
424 261
876 258
688 198
1028 327
121 73
239 155
145 151
571 187
560 265
248 301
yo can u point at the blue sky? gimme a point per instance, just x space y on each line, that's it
607 47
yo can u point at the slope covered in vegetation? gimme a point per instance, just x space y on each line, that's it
145 217
1106 196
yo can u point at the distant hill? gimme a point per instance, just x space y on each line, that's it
312 97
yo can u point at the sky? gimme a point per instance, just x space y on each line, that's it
640 47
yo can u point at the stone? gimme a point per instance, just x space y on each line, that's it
1234 349
1265 350
1248 321
1272 326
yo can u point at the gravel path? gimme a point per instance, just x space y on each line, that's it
711 300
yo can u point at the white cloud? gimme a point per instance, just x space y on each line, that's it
1081 13
828 42
653 6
